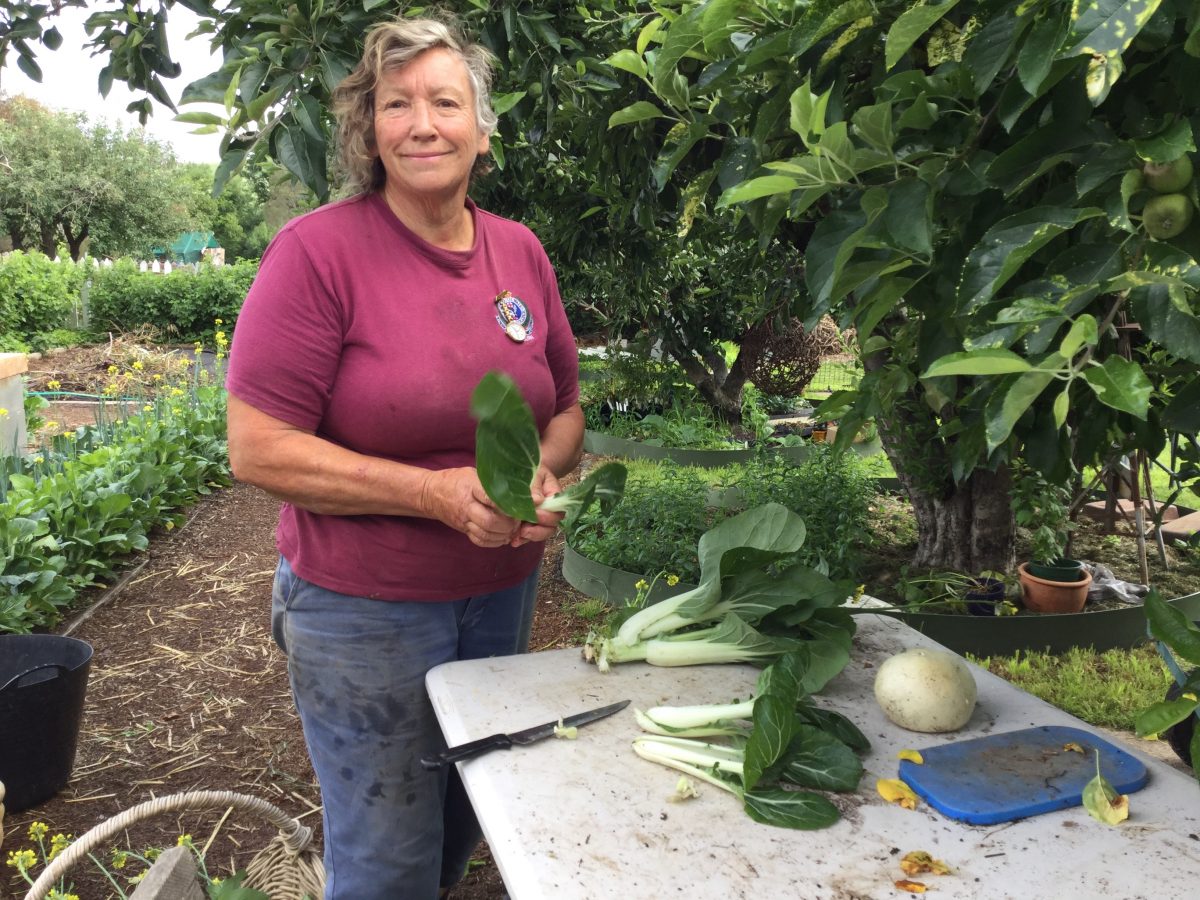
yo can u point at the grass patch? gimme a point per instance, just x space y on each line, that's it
1107 689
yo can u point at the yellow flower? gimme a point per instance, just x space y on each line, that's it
55 894
158 378
22 860
220 337
54 384
176 392
218 321
69 435
216 882
112 370
119 859
184 840
136 879
38 460
138 365
58 844
672 580
112 388
3 413
641 584
38 830
149 407
51 424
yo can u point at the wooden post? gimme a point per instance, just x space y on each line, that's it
172 877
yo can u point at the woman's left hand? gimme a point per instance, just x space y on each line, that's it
545 484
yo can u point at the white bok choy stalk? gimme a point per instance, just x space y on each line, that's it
731 640
508 452
695 721
767 760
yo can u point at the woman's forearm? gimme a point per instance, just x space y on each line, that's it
317 475
562 441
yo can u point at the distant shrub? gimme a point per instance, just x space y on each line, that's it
181 306
37 294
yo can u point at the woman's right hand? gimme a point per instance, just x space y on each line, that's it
457 498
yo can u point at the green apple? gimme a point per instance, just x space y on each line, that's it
1169 177
1166 215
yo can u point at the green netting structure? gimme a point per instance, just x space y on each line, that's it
189 247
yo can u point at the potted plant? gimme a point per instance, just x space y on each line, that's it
1050 581
984 594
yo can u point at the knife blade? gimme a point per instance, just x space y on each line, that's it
517 738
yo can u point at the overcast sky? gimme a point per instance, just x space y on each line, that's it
70 76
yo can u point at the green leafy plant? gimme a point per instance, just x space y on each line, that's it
1043 508
508 452
72 512
36 293
1182 638
779 748
668 507
950 591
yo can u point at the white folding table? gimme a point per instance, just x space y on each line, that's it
588 818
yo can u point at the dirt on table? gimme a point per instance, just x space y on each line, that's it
188 692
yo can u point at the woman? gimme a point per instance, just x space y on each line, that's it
355 355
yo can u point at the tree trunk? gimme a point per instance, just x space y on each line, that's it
75 241
720 388
966 527
49 239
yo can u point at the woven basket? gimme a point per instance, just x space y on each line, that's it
288 868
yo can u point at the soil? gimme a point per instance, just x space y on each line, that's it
188 691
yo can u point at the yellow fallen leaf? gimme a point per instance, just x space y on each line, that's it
913 756
1072 747
913 887
1102 801
893 790
919 862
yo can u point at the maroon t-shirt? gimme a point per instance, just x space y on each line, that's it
360 331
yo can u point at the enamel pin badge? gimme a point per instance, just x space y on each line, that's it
514 317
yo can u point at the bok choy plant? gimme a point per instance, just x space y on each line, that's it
750 606
780 748
508 451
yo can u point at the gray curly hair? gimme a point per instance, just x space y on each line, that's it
389 46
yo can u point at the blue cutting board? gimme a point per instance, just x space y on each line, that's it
1017 774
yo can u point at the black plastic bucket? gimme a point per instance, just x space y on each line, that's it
43 678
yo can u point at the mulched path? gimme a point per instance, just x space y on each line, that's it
188 692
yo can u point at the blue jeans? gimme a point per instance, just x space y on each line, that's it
357 667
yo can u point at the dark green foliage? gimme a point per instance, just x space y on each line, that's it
658 524
181 306
36 293
70 515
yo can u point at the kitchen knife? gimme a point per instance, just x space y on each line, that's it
528 736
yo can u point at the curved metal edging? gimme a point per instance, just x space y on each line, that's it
614 586
1112 629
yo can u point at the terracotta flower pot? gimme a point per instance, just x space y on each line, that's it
1045 596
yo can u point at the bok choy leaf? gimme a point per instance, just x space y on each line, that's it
508 452
766 762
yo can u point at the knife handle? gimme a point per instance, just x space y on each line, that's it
466 751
